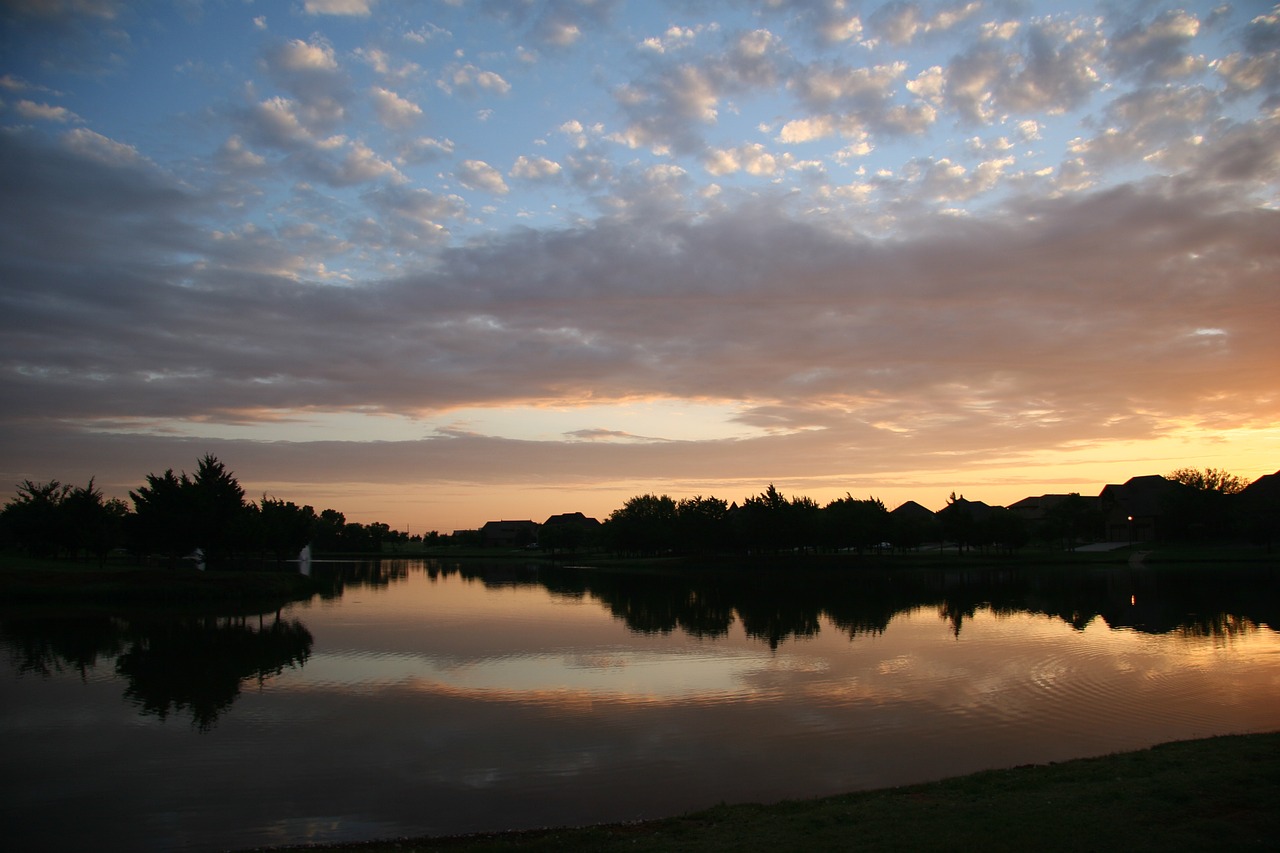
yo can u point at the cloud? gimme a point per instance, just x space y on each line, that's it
426 149
563 23
1049 66
1157 51
900 23
45 112
392 110
234 156
469 81
479 175
356 8
751 158
310 73
667 109
409 218
91 145
535 168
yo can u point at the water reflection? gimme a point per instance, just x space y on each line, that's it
470 697
193 665
776 607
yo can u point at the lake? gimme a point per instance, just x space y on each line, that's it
427 697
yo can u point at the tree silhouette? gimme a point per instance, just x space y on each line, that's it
34 520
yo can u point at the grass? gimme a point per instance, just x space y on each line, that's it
1218 793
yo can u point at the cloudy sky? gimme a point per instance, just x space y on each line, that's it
434 263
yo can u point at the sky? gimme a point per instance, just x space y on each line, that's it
436 263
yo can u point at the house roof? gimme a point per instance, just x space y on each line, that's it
912 511
1143 495
572 518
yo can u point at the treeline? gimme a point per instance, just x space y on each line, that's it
772 523
1186 505
176 515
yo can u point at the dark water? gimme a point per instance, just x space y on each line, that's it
423 698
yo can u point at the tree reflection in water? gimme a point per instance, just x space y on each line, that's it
194 665
197 664
774 606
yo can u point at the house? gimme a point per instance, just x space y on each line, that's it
1071 518
568 531
509 534
1035 509
1138 509
575 519
1259 509
913 525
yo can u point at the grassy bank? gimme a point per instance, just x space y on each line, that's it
1219 793
23 580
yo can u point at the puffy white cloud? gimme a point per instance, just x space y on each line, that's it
89 144
425 149
751 158
1050 66
234 156
674 38
393 110
1158 50
807 129
469 80
479 175
412 217
535 168
298 55
274 122
45 112
361 164
822 87
309 72
899 23
356 8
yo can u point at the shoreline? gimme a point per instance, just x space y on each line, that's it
1183 795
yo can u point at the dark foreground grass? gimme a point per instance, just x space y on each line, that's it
1217 794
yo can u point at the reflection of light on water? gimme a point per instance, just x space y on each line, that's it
616 673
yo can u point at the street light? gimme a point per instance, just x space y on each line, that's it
1131 532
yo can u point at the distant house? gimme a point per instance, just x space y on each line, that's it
1071 518
1260 509
1138 509
576 519
509 534
913 525
1035 509
568 531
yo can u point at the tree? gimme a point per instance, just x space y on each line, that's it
92 523
958 523
1071 520
163 517
329 527
1006 529
849 522
218 505
176 515
703 524
1209 480
34 519
285 528
1202 507
644 525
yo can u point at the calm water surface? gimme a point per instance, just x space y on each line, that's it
426 698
